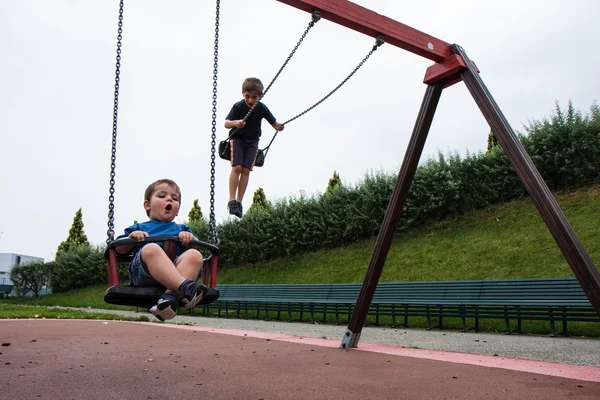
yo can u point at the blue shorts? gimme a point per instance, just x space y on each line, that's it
138 275
243 152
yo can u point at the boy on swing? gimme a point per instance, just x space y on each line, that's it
244 143
151 265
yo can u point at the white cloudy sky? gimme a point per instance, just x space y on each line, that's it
57 78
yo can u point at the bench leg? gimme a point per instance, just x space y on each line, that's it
552 328
429 323
337 315
507 321
552 325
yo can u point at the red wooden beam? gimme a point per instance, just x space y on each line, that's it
370 23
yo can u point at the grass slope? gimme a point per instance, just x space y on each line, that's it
503 242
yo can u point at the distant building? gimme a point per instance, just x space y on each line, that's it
7 262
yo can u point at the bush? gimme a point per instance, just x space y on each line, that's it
566 147
78 267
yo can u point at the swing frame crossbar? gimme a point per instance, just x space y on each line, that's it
452 65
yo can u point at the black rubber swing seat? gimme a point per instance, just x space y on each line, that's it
147 296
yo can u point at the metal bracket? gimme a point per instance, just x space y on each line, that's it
316 16
350 339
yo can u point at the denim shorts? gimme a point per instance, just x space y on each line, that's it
138 275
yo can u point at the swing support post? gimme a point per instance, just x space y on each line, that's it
451 66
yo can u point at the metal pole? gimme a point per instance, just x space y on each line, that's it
393 214
578 259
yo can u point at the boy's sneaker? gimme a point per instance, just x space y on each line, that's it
191 293
240 210
166 307
232 206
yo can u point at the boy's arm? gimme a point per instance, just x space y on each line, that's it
186 235
237 123
278 126
138 235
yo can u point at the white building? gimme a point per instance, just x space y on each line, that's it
8 261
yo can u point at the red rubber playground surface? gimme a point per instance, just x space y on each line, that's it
91 359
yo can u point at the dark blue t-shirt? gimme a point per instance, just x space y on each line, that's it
252 130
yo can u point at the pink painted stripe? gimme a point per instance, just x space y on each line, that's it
591 374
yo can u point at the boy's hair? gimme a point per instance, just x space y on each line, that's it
150 190
253 85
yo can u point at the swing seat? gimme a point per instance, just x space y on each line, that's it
147 296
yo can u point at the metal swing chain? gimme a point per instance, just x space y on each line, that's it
212 219
315 17
111 198
379 41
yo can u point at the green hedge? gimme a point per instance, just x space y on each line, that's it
565 148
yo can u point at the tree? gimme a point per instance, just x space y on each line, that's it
79 266
76 236
334 182
30 277
259 200
195 213
492 141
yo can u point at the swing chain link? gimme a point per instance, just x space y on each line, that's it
380 40
212 219
315 17
113 159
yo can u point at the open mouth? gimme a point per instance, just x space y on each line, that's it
168 207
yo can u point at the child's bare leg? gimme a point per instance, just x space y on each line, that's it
160 267
189 264
180 279
243 184
234 180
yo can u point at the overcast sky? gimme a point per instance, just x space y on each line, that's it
57 82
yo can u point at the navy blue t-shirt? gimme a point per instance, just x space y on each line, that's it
252 130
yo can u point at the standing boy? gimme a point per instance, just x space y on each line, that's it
151 265
244 143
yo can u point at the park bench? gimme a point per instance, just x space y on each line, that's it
288 298
556 300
